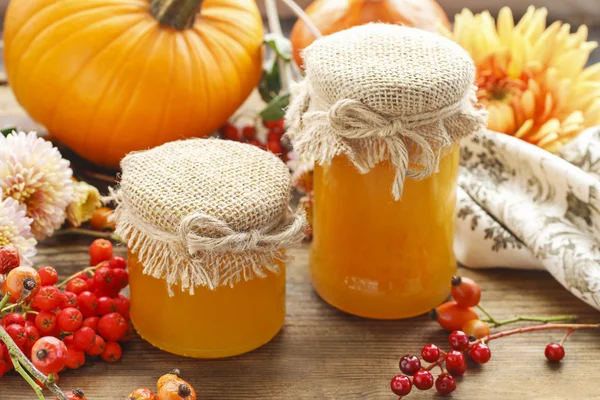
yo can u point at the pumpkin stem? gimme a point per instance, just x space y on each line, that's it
178 14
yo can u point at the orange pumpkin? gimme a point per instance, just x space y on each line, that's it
107 77
331 16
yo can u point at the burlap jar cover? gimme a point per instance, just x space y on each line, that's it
384 92
206 212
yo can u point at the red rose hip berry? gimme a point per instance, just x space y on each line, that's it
481 353
423 380
48 298
117 262
70 319
33 335
120 278
554 352
112 352
91 322
401 385
455 363
452 316
106 305
9 259
46 322
430 353
88 304
12 318
77 286
104 279
465 291
458 340
98 347
100 250
445 384
410 364
22 282
48 275
18 334
84 338
69 299
112 327
75 357
49 355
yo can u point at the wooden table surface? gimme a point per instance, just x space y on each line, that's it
322 353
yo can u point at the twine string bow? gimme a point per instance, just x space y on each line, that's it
194 229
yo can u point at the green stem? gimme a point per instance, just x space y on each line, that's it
487 314
4 300
88 232
178 14
25 375
18 358
495 322
535 319
75 275
8 308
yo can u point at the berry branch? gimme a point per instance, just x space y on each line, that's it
569 327
4 301
470 337
496 323
84 271
22 363
90 233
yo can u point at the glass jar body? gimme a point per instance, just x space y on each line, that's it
376 257
216 323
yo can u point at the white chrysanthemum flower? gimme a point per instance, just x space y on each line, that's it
86 199
34 173
15 229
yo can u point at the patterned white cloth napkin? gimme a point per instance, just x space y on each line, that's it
522 207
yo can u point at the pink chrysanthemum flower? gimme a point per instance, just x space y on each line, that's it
15 229
34 173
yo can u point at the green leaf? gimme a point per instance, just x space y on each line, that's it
280 45
270 83
7 131
275 110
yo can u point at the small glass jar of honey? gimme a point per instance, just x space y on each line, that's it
206 223
381 112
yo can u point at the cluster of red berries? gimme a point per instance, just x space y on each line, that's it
468 342
248 134
452 364
57 330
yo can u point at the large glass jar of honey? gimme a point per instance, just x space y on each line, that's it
207 223
382 111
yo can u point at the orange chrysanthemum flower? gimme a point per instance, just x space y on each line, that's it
532 79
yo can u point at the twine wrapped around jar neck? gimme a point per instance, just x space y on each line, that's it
325 123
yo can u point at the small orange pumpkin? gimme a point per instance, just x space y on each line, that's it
331 16
107 77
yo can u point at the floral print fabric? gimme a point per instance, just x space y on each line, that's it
522 207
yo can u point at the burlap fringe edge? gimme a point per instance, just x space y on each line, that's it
161 261
315 138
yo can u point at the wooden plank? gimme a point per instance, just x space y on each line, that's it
323 353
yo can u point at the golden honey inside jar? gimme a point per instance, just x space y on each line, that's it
390 259
381 112
207 238
239 319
